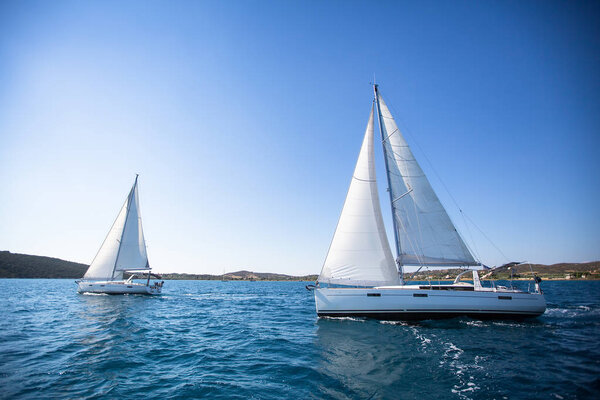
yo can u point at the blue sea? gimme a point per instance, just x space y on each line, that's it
262 340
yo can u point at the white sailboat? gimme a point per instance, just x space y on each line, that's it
359 276
124 249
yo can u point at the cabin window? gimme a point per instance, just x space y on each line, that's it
419 294
505 297
374 294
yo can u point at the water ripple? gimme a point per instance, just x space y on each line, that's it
262 340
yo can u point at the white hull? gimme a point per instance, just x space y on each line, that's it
117 287
411 302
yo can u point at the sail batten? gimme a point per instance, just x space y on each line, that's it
359 253
424 233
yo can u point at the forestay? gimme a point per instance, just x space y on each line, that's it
359 253
424 230
124 247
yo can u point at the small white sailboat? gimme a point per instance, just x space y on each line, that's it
359 276
124 249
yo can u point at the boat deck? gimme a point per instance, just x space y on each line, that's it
453 287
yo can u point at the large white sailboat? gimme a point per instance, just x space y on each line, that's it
359 276
124 249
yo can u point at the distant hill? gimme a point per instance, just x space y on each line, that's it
241 276
14 265
588 270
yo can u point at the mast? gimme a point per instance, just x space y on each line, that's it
387 173
130 197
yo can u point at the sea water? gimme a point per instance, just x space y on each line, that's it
263 340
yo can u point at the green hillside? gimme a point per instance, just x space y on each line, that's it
14 265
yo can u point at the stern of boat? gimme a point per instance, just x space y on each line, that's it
155 289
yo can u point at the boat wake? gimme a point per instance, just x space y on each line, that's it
345 318
424 341
451 357
572 312
402 323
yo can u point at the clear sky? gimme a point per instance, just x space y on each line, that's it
244 120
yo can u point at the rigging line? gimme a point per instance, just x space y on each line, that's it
414 273
474 251
390 135
489 240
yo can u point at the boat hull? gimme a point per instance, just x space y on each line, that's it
404 303
117 288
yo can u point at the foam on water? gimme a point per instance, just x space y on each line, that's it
263 340
356 319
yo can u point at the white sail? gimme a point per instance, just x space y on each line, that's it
132 253
425 233
124 247
359 253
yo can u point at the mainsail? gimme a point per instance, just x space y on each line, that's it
360 253
425 235
124 247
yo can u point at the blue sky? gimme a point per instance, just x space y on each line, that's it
244 120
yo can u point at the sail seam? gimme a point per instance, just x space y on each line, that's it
364 180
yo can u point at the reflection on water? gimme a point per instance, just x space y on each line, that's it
387 359
106 318
361 357
104 308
